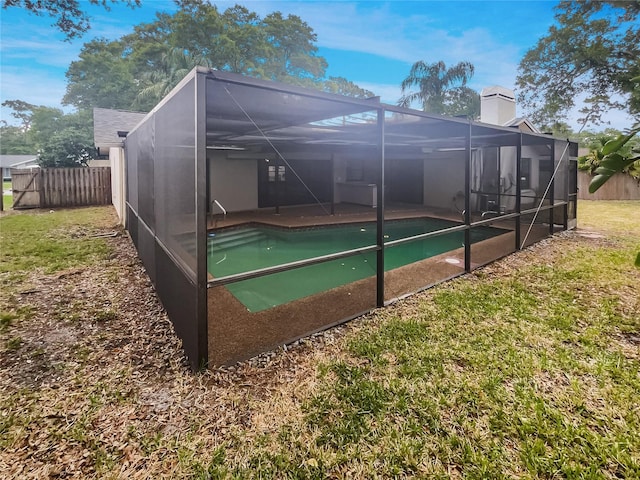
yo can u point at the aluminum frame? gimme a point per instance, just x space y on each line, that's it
193 330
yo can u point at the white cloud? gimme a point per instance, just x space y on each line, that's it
379 29
41 91
37 51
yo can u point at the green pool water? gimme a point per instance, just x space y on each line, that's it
250 248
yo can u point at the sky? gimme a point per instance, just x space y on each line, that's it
372 43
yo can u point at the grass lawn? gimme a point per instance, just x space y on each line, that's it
527 368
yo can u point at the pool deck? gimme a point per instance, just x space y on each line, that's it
235 333
316 215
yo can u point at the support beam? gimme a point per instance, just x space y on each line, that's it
518 190
380 215
467 201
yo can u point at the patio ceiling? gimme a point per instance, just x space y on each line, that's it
245 113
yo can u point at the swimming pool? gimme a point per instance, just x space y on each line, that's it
253 247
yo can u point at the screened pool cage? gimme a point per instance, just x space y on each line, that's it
265 212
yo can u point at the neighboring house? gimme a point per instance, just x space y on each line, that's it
109 129
7 162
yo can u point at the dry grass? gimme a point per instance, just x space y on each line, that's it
612 217
526 368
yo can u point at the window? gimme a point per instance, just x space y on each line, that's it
281 173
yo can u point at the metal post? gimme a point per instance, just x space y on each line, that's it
201 182
573 171
552 187
467 201
380 215
518 189
565 223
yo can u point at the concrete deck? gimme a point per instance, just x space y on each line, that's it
319 215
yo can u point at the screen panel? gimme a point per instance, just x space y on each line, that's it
560 218
281 187
292 177
179 297
536 170
493 171
492 241
561 180
174 174
145 171
425 160
132 149
534 227
162 190
252 316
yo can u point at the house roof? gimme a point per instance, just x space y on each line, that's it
15 161
107 123
523 124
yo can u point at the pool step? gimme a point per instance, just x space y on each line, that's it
233 238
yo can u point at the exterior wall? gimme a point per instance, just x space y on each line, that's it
619 187
118 183
361 192
439 188
534 181
339 175
233 183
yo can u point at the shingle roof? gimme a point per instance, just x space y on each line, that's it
7 161
107 123
519 121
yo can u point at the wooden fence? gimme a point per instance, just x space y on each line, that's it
618 187
61 187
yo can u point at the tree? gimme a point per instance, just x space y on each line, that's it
59 139
441 90
175 66
70 18
22 111
45 122
234 40
292 49
591 162
63 140
616 155
15 141
612 158
342 86
112 74
67 148
103 77
462 101
593 50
